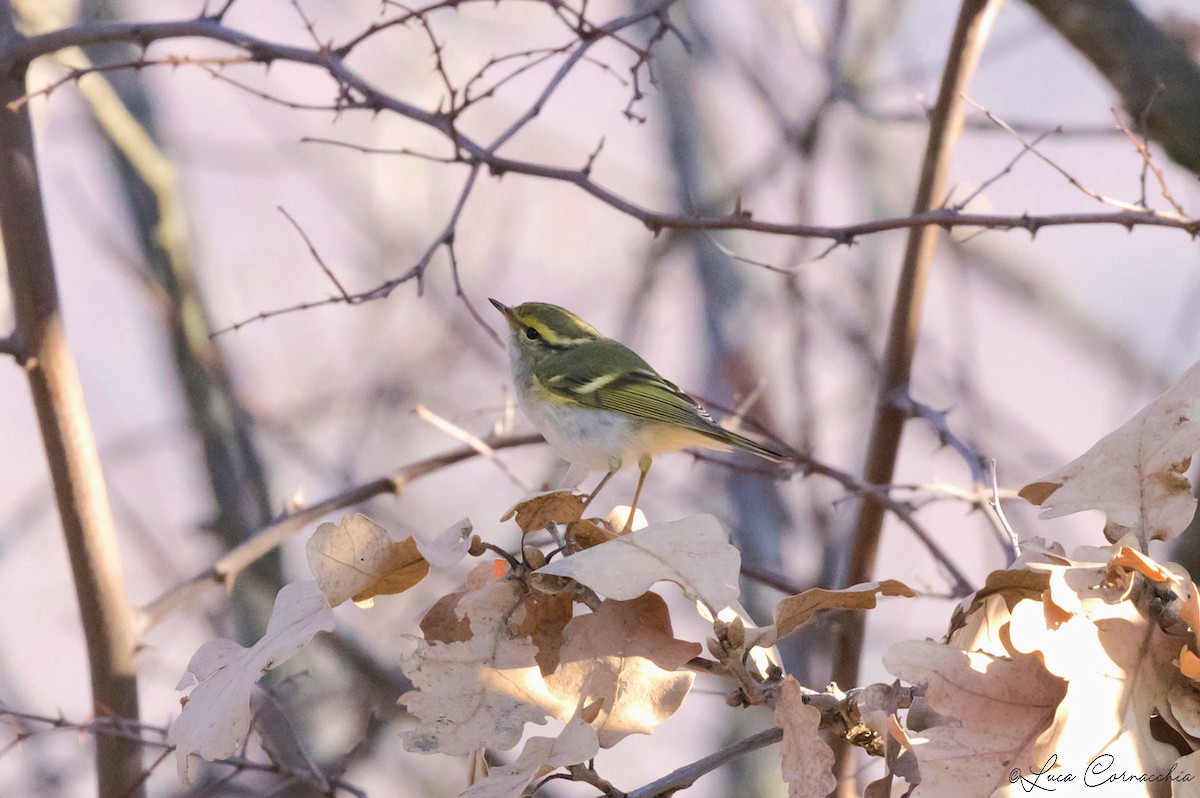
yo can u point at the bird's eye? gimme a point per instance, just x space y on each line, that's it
532 334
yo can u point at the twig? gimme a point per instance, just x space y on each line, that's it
763 576
316 255
970 34
998 509
687 775
383 290
976 462
75 74
1143 147
1106 200
474 441
958 206
276 533
462 294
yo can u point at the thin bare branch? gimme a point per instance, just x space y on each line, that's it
1070 178
316 255
474 441
1142 144
374 100
687 775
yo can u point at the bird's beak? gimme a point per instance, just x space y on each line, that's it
503 308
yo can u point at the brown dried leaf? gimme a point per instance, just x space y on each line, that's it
1135 474
998 708
1134 560
1189 664
795 611
538 512
625 655
694 553
357 559
443 623
807 761
542 618
584 534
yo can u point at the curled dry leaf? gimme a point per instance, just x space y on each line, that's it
576 744
694 553
538 512
795 611
216 718
998 706
806 760
624 656
357 559
1135 474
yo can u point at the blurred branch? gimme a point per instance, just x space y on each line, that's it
1156 78
970 34
115 728
11 346
226 569
70 447
150 186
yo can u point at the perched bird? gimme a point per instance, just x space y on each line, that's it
598 403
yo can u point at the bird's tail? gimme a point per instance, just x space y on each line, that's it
747 445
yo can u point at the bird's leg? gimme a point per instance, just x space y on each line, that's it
603 480
644 466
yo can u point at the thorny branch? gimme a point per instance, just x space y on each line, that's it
357 93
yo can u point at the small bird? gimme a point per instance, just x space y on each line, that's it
598 403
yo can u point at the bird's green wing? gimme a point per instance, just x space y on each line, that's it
610 376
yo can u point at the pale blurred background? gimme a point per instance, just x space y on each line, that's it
1038 347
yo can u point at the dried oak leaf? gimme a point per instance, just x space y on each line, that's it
478 692
795 611
577 743
216 718
443 623
693 552
806 759
625 656
357 559
993 709
1118 663
538 512
1135 474
542 618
